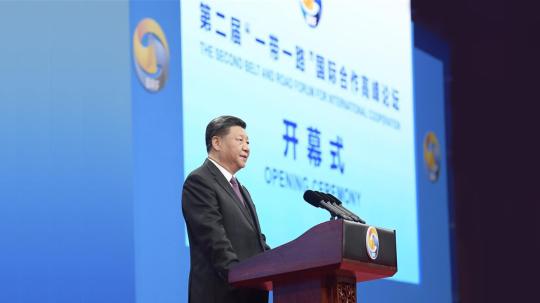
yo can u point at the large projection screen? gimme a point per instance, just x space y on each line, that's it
326 90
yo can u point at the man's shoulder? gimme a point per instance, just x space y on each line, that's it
203 171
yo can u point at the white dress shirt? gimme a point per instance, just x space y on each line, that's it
228 176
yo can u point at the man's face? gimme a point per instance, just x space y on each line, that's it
234 149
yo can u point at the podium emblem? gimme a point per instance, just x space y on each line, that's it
372 242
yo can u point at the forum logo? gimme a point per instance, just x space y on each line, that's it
151 55
311 9
372 242
432 156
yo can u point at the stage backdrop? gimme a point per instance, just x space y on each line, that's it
327 92
103 109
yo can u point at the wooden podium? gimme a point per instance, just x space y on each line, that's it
322 265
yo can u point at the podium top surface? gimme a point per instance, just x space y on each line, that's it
330 248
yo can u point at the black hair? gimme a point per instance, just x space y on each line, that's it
220 127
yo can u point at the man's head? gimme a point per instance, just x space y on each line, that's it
227 142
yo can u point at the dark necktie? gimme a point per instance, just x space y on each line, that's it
236 189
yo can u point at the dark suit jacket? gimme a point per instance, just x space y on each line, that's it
221 233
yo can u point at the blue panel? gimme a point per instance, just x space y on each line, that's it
161 258
433 195
66 166
433 208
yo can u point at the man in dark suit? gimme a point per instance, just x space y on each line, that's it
221 220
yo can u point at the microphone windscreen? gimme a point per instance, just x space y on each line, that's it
312 198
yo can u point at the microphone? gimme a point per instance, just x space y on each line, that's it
317 200
339 205
329 201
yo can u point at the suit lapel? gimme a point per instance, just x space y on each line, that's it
220 179
249 204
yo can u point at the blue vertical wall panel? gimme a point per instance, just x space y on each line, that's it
161 259
66 214
432 197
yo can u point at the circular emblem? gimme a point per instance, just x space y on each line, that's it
432 156
151 54
372 243
311 9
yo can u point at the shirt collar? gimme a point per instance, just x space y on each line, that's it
222 169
